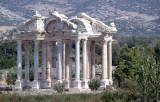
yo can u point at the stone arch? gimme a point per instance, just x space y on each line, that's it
83 26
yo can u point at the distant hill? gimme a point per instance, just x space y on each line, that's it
130 16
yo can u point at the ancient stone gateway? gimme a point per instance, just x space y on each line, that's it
56 33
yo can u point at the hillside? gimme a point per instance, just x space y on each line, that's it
130 17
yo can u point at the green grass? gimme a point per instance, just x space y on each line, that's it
118 96
48 98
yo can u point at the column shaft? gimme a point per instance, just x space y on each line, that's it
63 63
110 62
59 60
85 81
18 82
88 60
67 64
77 82
54 53
67 51
49 63
35 83
104 80
44 84
70 62
93 59
26 81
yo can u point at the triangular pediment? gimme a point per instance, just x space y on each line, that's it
58 22
98 26
36 23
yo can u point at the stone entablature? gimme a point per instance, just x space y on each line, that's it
57 32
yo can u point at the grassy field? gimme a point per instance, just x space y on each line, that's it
118 96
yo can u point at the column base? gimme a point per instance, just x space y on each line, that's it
43 84
85 84
18 84
48 81
26 84
110 82
67 84
35 84
104 83
59 81
77 84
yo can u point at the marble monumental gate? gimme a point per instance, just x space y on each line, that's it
56 33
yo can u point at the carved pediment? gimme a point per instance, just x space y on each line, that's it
34 24
58 22
83 26
98 26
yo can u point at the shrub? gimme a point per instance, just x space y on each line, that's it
94 84
31 73
12 76
59 87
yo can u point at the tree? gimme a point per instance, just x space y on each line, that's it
115 54
8 54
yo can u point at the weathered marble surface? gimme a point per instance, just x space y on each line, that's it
56 33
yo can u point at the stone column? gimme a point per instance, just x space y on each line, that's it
70 62
44 84
104 80
35 83
67 64
84 81
49 63
110 62
93 59
63 57
77 82
18 83
26 81
59 55
88 60
54 53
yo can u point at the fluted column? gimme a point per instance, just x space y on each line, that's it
77 82
18 83
44 84
84 81
54 53
26 81
59 55
110 62
63 61
67 64
35 83
70 62
88 60
104 80
93 59
49 63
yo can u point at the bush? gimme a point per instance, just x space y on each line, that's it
119 96
31 73
12 76
59 87
94 84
